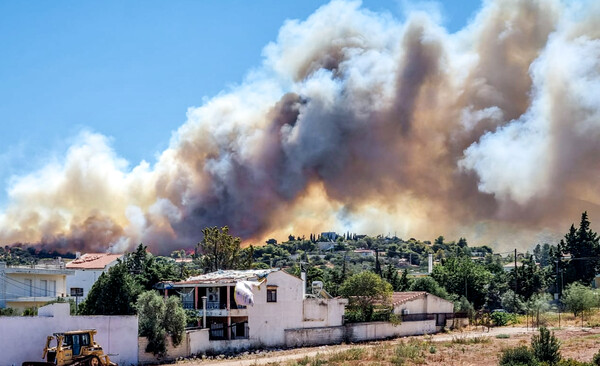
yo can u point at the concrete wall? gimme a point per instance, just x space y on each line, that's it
438 305
314 336
322 312
182 350
23 338
425 304
379 330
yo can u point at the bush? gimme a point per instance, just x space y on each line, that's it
8 312
501 318
571 362
519 356
596 359
546 346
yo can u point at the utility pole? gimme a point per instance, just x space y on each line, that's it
516 278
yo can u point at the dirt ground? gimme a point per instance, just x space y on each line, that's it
474 346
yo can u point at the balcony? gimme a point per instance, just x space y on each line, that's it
223 312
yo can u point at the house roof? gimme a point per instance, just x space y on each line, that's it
402 297
227 276
93 261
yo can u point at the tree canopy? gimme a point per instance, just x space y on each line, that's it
364 290
220 250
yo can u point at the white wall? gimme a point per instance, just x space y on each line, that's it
323 312
83 278
438 305
23 338
267 320
314 336
426 304
379 330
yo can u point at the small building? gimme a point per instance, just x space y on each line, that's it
280 303
329 235
325 246
87 268
365 252
23 287
420 305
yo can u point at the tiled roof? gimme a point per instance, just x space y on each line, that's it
93 261
228 276
402 297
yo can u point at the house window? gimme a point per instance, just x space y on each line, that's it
272 294
43 287
52 288
29 287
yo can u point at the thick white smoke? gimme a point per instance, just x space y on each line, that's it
357 122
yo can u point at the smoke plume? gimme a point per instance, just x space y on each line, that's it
358 122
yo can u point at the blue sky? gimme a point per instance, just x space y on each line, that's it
130 70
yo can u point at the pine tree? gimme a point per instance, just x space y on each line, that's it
584 247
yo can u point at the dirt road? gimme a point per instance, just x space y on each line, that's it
299 353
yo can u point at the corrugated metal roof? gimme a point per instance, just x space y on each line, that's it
93 261
227 276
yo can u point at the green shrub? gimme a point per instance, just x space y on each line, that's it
351 354
519 356
503 336
596 359
412 350
8 312
501 319
546 346
571 362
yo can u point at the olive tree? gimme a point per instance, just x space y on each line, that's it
159 318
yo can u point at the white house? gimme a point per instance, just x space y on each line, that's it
87 268
23 287
280 303
420 305
365 252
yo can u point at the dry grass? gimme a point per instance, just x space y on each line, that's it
577 344
556 320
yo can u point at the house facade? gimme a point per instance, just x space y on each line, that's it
279 303
86 270
23 287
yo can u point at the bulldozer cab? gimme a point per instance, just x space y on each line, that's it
76 341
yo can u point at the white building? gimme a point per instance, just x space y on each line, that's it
23 287
280 303
420 305
87 268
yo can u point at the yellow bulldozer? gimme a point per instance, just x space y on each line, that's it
74 348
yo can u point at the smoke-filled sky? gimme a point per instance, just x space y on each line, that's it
353 120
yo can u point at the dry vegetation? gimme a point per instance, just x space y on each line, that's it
577 344
467 347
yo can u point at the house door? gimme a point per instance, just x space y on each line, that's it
76 345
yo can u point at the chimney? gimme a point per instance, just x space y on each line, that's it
77 255
303 277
